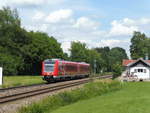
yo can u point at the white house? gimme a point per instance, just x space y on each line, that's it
139 69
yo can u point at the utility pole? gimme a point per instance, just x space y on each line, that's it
1 76
95 66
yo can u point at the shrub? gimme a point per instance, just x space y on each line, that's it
117 70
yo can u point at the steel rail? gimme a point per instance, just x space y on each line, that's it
33 85
21 95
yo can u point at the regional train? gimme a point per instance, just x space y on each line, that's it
56 69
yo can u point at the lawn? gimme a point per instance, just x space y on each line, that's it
9 81
133 98
89 90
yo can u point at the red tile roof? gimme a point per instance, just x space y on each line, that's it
126 62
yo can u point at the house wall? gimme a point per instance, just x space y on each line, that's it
140 75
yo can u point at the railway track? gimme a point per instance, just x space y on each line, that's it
22 95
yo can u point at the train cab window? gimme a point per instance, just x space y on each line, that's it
49 66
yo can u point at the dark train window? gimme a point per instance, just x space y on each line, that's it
71 67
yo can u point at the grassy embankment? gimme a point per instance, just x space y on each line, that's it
9 81
89 90
133 98
101 74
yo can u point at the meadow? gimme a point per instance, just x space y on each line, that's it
89 90
9 81
132 98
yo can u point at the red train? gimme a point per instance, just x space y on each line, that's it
55 69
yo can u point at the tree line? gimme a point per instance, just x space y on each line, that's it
22 51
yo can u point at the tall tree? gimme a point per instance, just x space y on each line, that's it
78 51
117 54
42 47
11 39
139 45
104 51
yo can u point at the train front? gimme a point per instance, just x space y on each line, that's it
49 69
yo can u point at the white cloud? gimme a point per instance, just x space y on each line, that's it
127 26
86 23
128 22
25 2
38 15
59 15
42 27
66 46
31 2
144 21
119 28
112 42
137 22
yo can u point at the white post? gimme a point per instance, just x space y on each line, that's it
1 76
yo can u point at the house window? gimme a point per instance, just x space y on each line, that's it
135 70
140 70
144 70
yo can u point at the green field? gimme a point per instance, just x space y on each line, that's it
65 98
9 81
133 98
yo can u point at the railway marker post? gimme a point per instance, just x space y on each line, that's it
1 75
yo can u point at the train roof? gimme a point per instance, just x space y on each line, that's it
75 62
84 63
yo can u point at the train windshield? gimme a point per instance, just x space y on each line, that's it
49 66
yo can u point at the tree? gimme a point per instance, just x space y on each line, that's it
95 60
12 37
22 52
139 45
104 51
117 70
117 54
42 47
78 51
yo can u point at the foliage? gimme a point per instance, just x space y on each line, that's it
22 52
111 57
43 47
139 47
80 53
104 51
56 101
117 70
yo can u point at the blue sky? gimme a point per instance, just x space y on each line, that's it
98 23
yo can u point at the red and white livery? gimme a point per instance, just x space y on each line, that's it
56 69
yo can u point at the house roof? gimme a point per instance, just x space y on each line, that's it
130 62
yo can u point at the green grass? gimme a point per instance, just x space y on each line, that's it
89 90
133 98
100 74
9 81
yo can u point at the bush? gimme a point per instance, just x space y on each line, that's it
117 70
89 90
